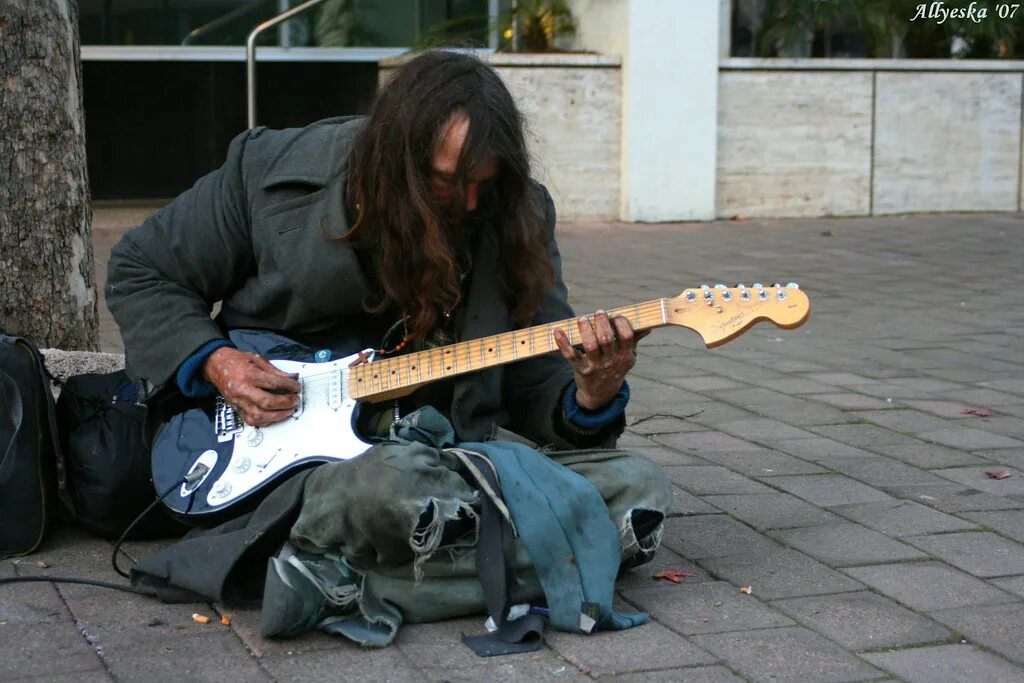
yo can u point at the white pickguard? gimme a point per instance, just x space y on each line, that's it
321 428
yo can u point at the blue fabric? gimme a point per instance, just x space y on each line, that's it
190 376
594 419
560 517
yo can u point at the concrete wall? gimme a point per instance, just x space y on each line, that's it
868 137
573 108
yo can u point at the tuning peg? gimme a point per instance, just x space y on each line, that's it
776 285
740 285
793 285
691 295
720 286
757 285
727 294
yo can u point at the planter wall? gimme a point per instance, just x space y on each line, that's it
868 137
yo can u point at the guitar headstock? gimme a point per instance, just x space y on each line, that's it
720 313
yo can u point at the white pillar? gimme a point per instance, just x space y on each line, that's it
670 54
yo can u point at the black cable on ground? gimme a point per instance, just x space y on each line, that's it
195 475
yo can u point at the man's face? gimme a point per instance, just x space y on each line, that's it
445 163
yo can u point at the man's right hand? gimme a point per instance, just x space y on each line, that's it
260 393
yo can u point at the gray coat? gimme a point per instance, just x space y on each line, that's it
253 235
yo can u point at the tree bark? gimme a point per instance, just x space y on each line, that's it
47 285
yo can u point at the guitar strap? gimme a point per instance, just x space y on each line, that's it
494 552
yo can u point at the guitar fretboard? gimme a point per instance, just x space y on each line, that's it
422 367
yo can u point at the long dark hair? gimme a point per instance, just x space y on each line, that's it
395 211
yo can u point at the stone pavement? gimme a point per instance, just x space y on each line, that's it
833 469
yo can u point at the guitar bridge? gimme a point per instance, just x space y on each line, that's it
226 422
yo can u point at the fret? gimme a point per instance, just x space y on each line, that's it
636 317
530 332
515 347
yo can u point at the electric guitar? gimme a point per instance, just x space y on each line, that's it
225 462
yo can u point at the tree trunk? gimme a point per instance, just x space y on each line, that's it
47 286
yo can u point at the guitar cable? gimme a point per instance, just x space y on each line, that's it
192 477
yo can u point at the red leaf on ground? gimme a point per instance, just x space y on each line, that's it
997 474
980 412
673 575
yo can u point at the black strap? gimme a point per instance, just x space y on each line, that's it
51 417
14 411
494 552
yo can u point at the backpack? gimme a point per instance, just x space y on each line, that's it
32 469
102 424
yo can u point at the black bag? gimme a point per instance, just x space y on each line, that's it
102 427
32 471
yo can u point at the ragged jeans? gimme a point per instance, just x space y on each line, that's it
404 515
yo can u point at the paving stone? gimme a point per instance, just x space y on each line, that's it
976 478
245 623
796 386
696 442
656 424
787 654
135 618
980 553
904 421
764 429
949 409
642 577
946 664
851 401
862 435
772 510
928 586
711 536
1007 522
883 472
214 657
713 479
650 646
99 675
703 383
763 463
1014 457
970 439
996 627
902 518
844 544
663 455
820 449
700 674
30 604
984 397
39 644
862 620
1011 584
928 455
779 573
686 504
829 489
956 499
709 607
713 415
841 379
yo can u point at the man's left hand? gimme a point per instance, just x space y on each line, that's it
609 352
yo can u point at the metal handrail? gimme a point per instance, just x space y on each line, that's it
226 18
250 53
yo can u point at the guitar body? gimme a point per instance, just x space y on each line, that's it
242 461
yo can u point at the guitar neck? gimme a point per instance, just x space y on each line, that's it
393 377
